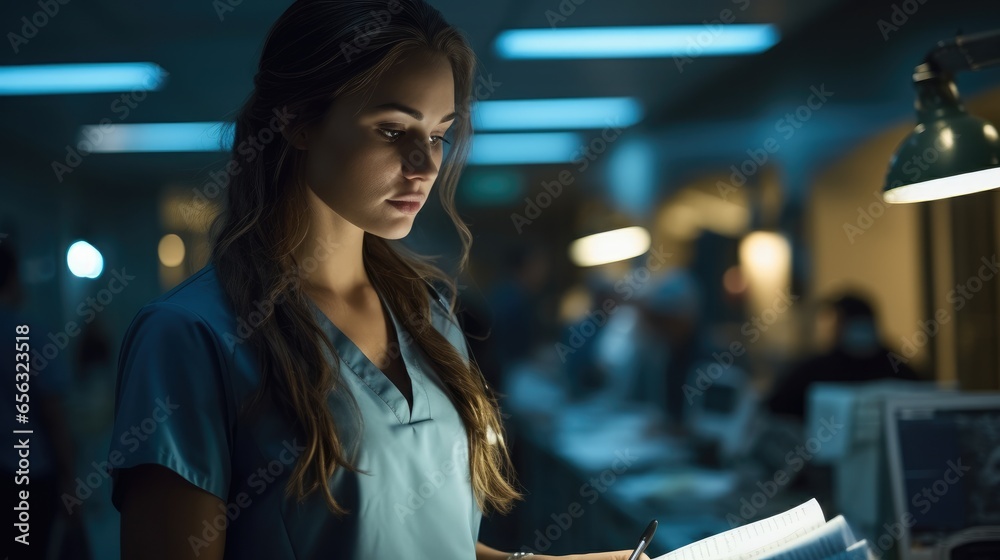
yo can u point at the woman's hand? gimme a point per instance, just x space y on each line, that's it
615 555
484 552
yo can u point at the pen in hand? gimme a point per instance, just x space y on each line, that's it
647 536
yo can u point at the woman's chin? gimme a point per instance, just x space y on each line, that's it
397 230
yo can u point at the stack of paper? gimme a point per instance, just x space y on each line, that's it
801 533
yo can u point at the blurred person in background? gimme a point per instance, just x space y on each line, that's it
51 469
93 395
580 339
515 303
91 405
643 351
856 353
671 312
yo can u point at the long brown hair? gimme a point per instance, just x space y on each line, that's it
317 51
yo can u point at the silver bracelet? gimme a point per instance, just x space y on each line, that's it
516 555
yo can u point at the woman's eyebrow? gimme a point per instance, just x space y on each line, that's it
409 111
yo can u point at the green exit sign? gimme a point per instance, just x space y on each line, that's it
490 188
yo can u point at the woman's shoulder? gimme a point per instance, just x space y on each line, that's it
197 299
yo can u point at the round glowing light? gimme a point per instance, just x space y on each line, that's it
171 250
990 131
733 280
84 260
764 251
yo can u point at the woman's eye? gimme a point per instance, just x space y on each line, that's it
393 135
389 133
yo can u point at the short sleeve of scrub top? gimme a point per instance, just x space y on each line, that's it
184 371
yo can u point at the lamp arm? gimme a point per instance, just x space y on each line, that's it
964 52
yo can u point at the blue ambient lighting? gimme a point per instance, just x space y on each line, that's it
523 148
541 114
80 78
155 137
637 41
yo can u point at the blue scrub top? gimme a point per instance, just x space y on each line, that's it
185 368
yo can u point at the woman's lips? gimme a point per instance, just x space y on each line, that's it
406 207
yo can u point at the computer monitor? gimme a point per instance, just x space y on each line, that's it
721 408
845 427
944 471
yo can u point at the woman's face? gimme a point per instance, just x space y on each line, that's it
364 155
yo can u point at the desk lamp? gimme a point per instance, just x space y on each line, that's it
950 152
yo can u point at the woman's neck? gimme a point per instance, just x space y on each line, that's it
330 258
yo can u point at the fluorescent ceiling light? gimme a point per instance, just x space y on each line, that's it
571 113
527 147
609 246
154 137
637 41
80 78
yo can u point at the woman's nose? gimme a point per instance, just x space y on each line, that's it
418 162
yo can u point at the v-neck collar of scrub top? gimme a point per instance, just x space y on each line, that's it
376 379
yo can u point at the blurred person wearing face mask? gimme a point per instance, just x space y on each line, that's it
857 354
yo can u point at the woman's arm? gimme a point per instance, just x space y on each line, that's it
484 552
163 514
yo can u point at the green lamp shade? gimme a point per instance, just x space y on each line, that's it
946 155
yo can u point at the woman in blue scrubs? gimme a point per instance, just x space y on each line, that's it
309 394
